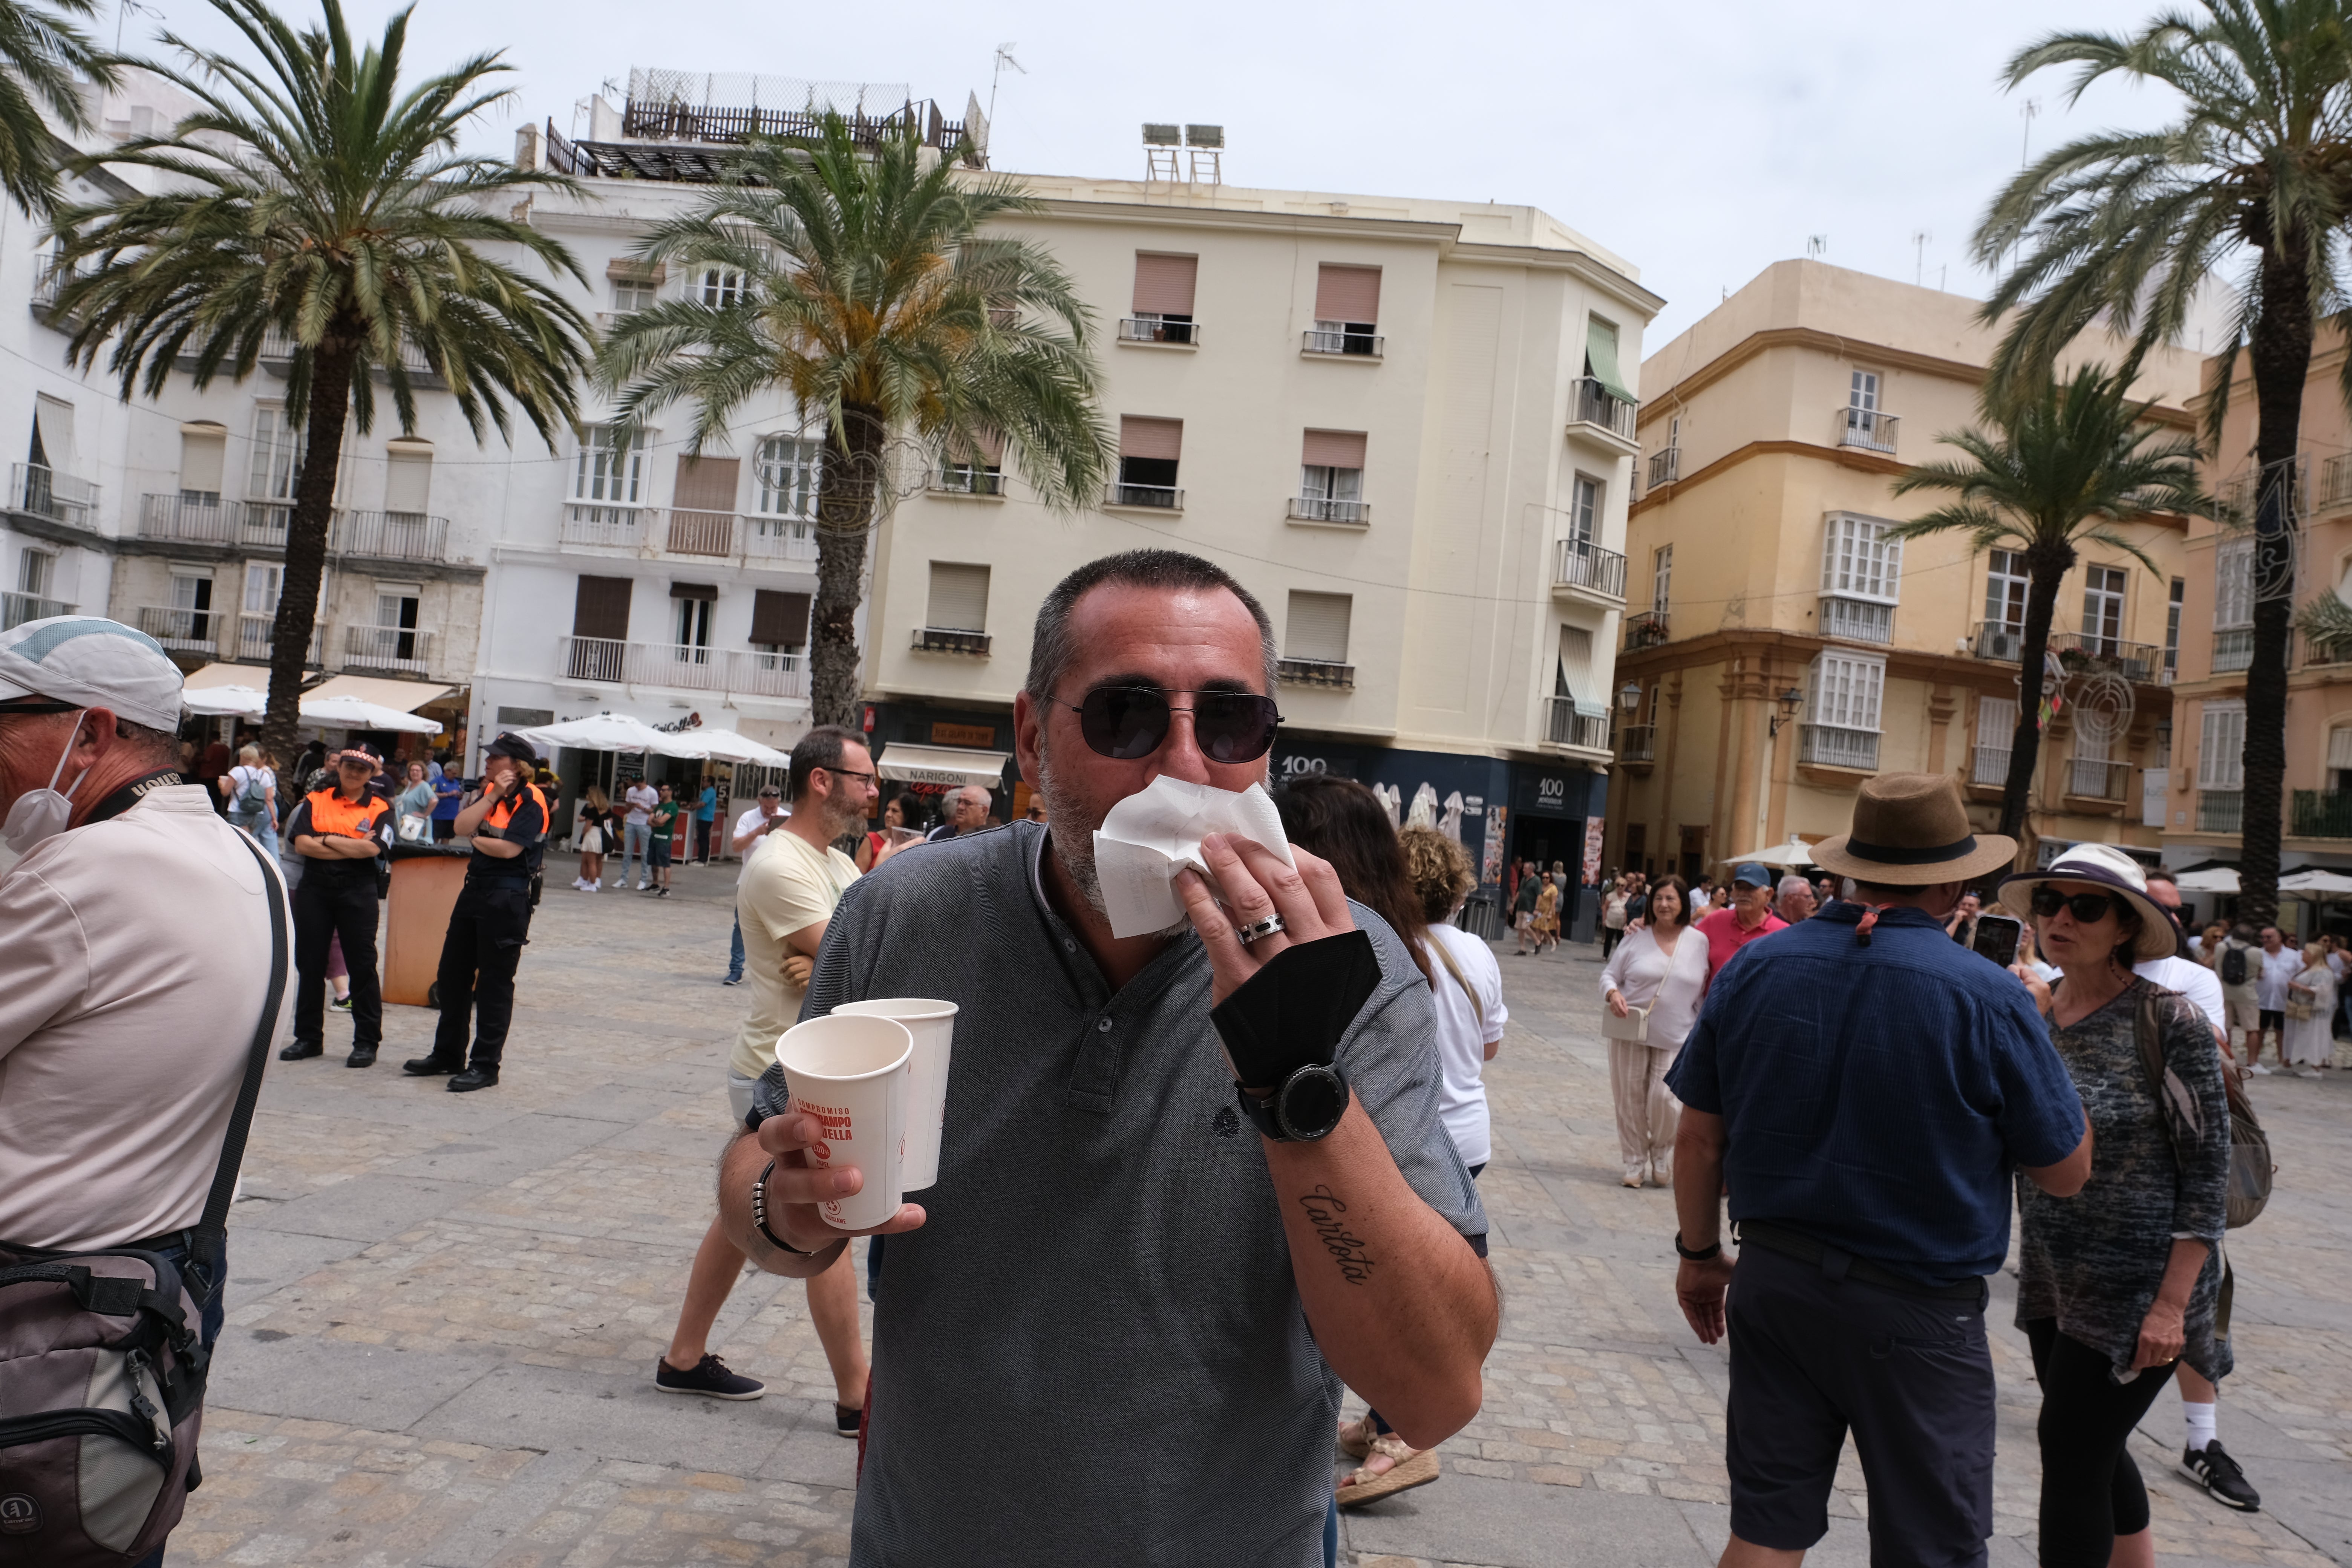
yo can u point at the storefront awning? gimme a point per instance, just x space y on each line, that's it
256 676
939 765
407 696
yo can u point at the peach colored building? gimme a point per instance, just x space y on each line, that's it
1780 649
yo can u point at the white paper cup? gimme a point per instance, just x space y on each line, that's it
851 1075
932 1023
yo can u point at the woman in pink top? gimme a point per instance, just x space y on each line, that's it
1662 967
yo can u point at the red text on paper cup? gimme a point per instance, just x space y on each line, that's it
832 1123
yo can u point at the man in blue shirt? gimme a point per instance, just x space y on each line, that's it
1866 1087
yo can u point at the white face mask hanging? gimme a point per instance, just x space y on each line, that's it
41 814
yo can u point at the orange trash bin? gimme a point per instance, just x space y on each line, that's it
425 880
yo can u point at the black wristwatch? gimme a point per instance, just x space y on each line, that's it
1307 1106
1706 1253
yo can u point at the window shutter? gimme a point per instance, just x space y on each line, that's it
780 620
1317 628
2340 749
1996 722
1348 293
707 592
601 607
2221 746
1575 677
707 484
53 427
1139 436
407 480
959 598
1600 356
204 453
1163 284
1334 450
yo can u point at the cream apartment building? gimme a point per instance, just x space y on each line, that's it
170 514
1783 648
1407 425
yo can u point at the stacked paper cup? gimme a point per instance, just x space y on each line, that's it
933 1025
851 1073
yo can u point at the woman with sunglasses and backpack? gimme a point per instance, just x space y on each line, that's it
2119 1284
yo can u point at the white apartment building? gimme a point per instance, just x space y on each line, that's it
1406 425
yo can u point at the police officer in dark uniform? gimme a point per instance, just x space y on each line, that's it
508 828
338 831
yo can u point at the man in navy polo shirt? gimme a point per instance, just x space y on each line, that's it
1866 1087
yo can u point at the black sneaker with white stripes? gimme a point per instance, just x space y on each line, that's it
2212 1469
709 1378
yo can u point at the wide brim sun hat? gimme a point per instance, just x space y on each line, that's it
2110 870
1911 830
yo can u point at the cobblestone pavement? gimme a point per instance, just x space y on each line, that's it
444 1312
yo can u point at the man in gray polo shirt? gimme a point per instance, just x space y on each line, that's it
1116 1270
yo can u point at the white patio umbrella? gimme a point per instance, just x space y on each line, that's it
2314 879
726 746
2212 879
1795 852
352 713
613 733
225 702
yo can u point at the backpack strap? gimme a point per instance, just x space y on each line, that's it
1454 969
2182 1125
209 1246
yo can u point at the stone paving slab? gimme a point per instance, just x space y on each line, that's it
444 1312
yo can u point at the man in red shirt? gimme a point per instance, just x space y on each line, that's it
1749 917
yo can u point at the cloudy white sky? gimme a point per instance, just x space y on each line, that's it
1701 140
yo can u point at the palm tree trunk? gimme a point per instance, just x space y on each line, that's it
306 541
2282 360
2046 567
846 487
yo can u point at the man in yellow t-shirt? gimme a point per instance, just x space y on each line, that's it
790 888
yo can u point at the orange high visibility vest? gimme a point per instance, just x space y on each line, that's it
503 812
331 813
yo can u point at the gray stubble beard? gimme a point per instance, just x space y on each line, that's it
1075 850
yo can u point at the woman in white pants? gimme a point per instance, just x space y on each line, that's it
1661 968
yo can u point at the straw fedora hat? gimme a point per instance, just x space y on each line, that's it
2106 866
1910 830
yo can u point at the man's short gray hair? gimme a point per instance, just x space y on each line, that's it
1793 883
1053 647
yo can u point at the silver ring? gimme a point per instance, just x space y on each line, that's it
1267 927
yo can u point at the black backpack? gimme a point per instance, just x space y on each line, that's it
2233 964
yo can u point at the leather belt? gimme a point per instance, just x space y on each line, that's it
1841 1264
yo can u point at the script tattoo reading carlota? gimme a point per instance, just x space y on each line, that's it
1323 1211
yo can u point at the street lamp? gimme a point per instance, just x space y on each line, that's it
1629 696
1789 701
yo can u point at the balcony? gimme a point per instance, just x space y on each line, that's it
1564 726
618 527
685 667
402 649
1637 743
391 535
966 480
1314 672
1827 746
1581 567
2098 779
195 518
278 348
255 635
1161 497
2135 661
2335 482
182 630
1866 428
61 498
1185 334
1594 405
2238 498
1665 467
1327 509
700 534
1349 345
2320 813
1998 641
2220 810
16 609
1989 766
779 539
1647 629
1857 620
2233 649
949 639
2318 653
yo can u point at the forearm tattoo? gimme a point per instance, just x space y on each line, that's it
1324 1212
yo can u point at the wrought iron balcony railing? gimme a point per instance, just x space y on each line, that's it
2097 779
2220 810
1160 330
1637 743
61 498
183 630
1578 564
1358 345
1645 629
1589 403
1990 765
1166 497
2132 661
684 667
1564 726
949 639
1831 745
391 535
402 649
2320 813
16 609
1327 509
1866 428
1857 620
1665 467
2233 649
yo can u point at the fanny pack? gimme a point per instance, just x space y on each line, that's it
102 1362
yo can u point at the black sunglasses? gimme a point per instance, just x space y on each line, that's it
1131 721
2089 909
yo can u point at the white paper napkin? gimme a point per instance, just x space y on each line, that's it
1149 837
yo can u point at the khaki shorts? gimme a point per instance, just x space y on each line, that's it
739 1094
2242 1009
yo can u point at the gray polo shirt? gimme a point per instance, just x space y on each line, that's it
1093 1352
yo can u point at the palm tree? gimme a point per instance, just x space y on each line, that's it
315 208
2063 469
42 58
872 297
2130 224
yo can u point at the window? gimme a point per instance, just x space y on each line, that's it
631 295
787 476
959 601
1347 309
2102 607
609 467
1996 735
1862 397
1317 630
407 478
277 457
691 618
1584 510
968 472
1147 454
2006 584
1163 297
780 624
35 570
263 580
1662 578
719 287
1331 477
2221 745
394 637
192 602
2172 629
1861 575
2233 584
203 455
1846 689
2339 760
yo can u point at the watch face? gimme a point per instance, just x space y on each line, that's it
1311 1103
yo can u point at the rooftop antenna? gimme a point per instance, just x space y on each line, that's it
122 9
1004 58
2027 111
1919 238
1817 245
